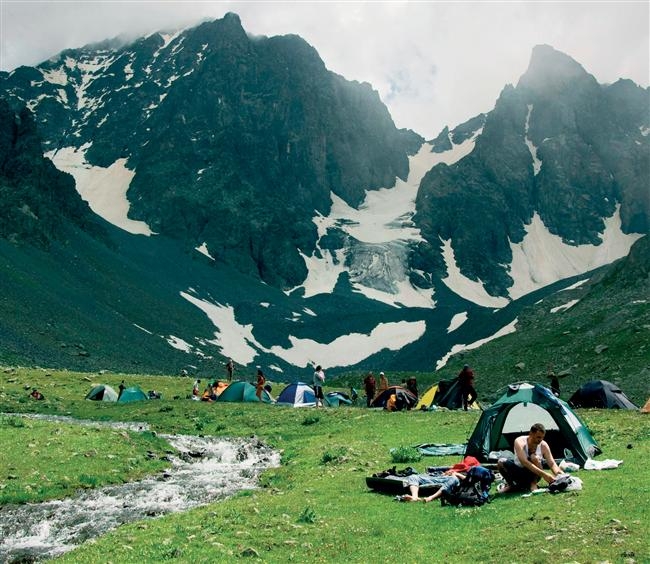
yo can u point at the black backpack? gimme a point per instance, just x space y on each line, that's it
473 491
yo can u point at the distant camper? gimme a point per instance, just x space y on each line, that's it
230 368
370 384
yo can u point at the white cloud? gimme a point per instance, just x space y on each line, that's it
433 63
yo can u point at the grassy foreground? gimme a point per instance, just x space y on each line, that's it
316 507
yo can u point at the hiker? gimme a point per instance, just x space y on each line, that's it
121 389
555 384
36 394
318 379
467 390
383 383
524 472
412 386
195 388
391 404
369 384
448 481
261 380
230 368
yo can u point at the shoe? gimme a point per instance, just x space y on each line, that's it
398 498
501 487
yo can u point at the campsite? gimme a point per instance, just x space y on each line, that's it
316 506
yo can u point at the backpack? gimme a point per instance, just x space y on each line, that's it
404 473
473 491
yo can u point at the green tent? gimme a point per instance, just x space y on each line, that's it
102 393
243 392
337 399
517 410
132 394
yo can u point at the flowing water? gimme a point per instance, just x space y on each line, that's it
204 470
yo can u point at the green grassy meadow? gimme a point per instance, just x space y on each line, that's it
315 507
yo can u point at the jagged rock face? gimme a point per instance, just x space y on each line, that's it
560 145
235 141
35 198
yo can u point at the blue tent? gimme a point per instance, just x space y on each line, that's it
298 394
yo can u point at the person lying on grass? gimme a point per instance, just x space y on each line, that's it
525 471
448 481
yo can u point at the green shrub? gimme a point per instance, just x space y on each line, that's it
308 515
311 419
336 456
405 454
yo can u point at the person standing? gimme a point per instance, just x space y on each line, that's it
467 390
383 383
261 380
412 386
230 368
319 378
121 389
369 383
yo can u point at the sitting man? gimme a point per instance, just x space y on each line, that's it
524 472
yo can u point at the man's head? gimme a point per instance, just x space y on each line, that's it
536 433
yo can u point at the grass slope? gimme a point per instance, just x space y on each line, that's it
316 507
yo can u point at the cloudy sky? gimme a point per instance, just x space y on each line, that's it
433 63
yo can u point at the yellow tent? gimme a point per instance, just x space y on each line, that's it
426 399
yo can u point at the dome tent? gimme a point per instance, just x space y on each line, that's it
600 393
132 394
242 392
297 394
405 398
517 410
102 393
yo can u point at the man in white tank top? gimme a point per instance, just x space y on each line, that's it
524 472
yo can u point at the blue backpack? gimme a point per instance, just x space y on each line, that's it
473 491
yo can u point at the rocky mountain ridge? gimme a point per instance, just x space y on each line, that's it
324 234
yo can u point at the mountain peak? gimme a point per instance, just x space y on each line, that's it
552 70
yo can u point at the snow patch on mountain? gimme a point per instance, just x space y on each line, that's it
238 342
457 151
471 290
350 349
55 76
103 188
203 249
379 238
456 321
542 258
234 340
564 307
179 343
537 164
506 330
576 285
